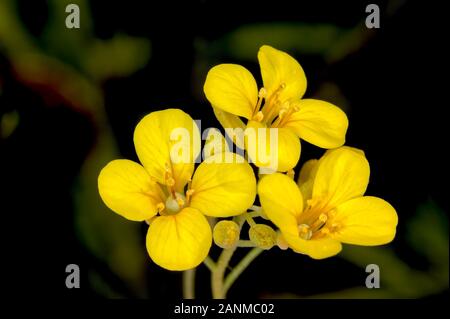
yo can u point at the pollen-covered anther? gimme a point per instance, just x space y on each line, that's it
180 202
282 113
262 93
304 231
160 207
170 182
189 194
258 116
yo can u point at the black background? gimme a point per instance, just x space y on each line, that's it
396 81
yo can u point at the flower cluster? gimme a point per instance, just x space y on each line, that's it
181 202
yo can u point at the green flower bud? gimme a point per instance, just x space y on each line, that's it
263 236
226 234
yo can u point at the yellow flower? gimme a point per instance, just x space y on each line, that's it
233 93
328 208
179 236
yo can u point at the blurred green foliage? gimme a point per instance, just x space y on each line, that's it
329 41
8 123
73 63
427 232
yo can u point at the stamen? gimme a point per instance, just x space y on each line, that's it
258 117
160 207
261 95
319 222
170 182
189 193
284 114
304 231
272 103
180 201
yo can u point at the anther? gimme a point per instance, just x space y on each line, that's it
180 201
304 231
190 192
323 218
160 207
282 113
259 116
170 182
262 93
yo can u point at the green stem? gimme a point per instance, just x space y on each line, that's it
210 264
243 264
245 243
218 273
189 284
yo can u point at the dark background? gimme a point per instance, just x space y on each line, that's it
389 83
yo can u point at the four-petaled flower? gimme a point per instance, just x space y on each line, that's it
179 236
233 93
327 207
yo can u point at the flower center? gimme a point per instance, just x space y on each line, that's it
174 205
316 221
274 112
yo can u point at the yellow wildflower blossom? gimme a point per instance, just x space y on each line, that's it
162 192
329 207
233 93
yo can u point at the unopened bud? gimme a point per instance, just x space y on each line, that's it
263 236
226 234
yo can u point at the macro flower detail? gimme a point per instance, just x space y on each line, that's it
233 93
165 191
327 207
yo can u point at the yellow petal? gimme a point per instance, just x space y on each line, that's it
315 248
231 88
224 185
168 137
277 149
215 143
233 125
343 174
365 221
281 201
279 69
127 189
228 120
181 241
320 123
306 178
